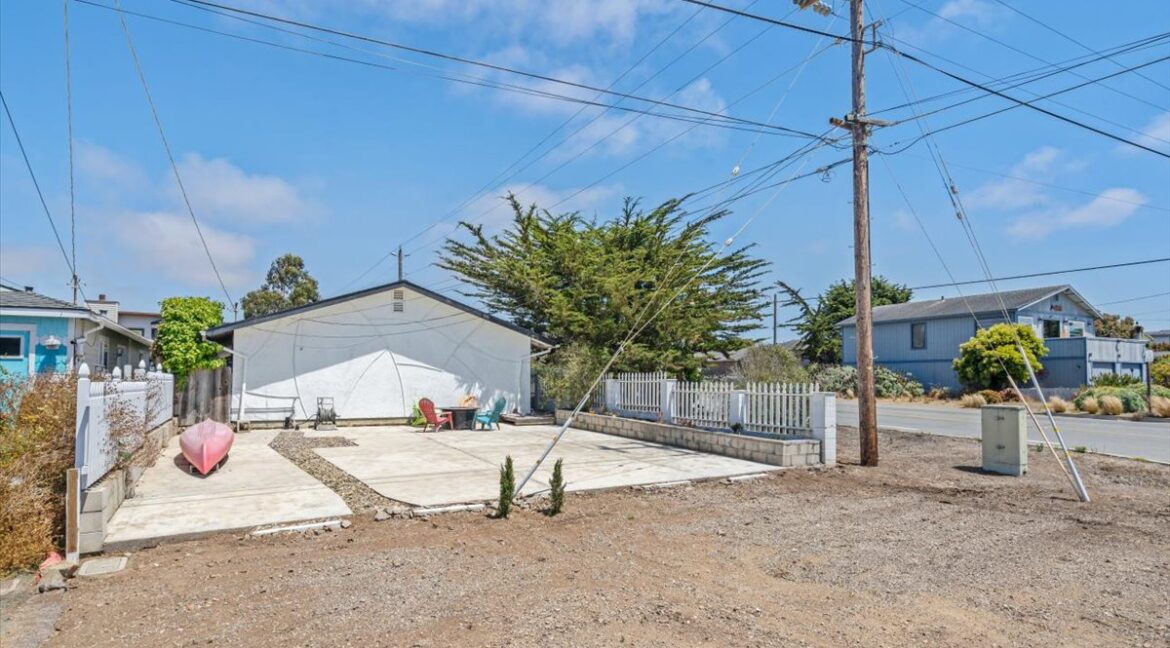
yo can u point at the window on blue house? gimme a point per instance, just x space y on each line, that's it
11 346
918 335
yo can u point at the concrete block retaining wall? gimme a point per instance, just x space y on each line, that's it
796 451
100 501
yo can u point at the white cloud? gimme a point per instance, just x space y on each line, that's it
1156 135
1042 164
493 212
1110 208
222 190
974 14
22 263
167 243
108 169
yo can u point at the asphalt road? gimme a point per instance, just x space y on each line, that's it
1149 439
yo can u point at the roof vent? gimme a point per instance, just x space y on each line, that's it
28 289
397 307
399 294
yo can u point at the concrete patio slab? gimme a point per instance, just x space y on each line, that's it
255 486
459 466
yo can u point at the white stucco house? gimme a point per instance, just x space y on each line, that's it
375 352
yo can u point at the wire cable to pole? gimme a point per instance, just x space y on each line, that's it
170 155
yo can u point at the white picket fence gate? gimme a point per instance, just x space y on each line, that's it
703 404
143 402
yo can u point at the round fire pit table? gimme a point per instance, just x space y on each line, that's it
462 418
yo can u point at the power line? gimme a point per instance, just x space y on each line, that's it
1031 104
467 61
1071 39
1020 51
1044 274
1133 299
69 129
37 186
727 122
170 156
944 72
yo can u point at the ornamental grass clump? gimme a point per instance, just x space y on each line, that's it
1112 405
1058 404
1160 406
1089 404
507 488
972 400
556 493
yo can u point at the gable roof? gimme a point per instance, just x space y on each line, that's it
16 298
223 332
12 297
981 304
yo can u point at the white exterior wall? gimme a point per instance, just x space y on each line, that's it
377 363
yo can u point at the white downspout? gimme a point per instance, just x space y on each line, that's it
243 381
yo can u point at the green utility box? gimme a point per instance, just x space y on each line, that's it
1005 440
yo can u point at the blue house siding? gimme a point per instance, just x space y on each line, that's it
932 365
31 330
1065 364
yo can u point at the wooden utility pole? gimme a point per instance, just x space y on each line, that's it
866 402
400 263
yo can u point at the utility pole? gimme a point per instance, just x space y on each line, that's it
400 263
859 126
866 400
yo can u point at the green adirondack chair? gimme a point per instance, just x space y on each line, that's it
491 417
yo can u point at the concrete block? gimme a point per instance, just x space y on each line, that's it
90 541
93 499
92 521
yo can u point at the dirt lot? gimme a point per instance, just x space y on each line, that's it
924 550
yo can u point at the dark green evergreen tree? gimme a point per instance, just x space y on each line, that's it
820 337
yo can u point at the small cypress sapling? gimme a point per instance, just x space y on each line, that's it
507 488
556 490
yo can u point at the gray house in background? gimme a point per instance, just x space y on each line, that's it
922 338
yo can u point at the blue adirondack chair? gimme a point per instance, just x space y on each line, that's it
491 417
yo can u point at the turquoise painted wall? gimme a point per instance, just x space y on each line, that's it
45 360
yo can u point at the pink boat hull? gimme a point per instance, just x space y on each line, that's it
204 445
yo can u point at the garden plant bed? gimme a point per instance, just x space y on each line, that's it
924 549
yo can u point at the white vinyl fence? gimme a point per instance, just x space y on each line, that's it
135 406
639 393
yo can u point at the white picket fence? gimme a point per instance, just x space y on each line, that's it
639 393
142 403
778 408
771 408
703 404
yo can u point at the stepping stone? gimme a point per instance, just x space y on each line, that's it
9 586
102 566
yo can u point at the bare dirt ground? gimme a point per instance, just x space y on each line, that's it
924 550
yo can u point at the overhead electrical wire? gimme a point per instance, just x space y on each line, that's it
942 71
37 185
727 123
1018 50
1050 273
465 60
1132 299
170 155
1070 39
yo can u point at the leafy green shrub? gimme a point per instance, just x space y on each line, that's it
567 373
180 341
887 383
1116 380
507 488
982 359
1160 371
770 363
556 490
991 396
416 417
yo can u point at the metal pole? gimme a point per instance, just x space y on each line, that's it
1072 467
775 300
866 400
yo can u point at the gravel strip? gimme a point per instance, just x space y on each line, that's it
298 449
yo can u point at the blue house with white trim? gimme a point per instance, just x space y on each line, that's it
40 334
922 338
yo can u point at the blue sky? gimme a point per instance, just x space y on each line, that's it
339 162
